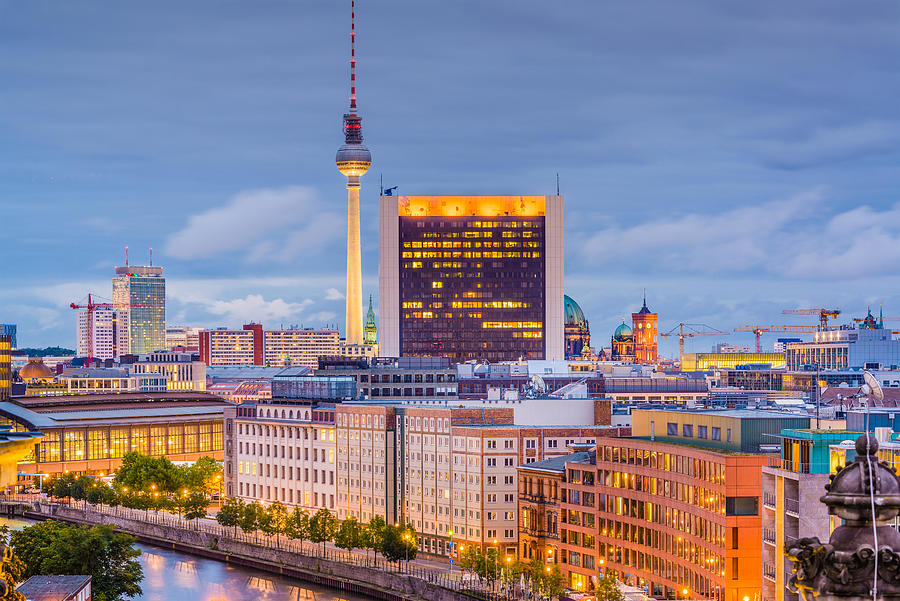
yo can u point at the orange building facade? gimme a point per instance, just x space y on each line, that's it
682 522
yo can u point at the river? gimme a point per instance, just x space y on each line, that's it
173 576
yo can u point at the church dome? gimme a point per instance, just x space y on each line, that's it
574 316
623 331
35 370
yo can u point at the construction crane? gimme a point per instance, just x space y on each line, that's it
823 314
758 330
693 329
90 307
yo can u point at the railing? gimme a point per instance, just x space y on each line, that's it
798 467
769 535
769 571
769 500
537 499
449 578
791 505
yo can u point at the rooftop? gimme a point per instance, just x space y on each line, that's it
52 588
733 413
558 464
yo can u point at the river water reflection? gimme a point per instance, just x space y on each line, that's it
173 576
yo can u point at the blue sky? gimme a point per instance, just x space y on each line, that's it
733 158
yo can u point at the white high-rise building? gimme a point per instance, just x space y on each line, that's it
110 333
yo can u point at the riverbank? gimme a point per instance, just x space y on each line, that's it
339 571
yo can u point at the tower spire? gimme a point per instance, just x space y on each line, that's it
352 56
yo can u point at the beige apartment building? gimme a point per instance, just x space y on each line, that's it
283 452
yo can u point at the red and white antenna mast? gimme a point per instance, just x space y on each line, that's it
352 56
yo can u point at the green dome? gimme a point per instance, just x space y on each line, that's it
622 331
574 316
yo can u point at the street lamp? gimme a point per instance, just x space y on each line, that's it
450 551
406 536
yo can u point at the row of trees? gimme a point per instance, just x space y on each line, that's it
489 566
53 547
395 542
146 482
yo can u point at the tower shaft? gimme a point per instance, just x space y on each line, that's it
354 319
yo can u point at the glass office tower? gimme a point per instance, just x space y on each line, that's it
474 277
140 293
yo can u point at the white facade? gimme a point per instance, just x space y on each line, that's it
299 347
180 370
283 454
110 333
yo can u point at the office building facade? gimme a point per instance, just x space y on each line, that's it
5 366
140 293
477 277
301 347
9 329
110 336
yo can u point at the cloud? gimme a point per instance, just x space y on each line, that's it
259 222
824 145
255 308
334 294
738 239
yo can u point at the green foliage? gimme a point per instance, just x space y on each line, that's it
14 569
231 512
204 475
195 505
349 535
148 474
373 534
108 556
608 588
297 526
249 521
322 526
50 351
399 543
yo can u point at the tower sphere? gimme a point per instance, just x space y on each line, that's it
353 159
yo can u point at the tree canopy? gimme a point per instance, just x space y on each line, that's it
109 556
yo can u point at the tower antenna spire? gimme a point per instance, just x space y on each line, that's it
352 56
126 256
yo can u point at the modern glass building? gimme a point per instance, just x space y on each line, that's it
140 293
472 277
9 329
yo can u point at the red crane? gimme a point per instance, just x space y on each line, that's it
90 307
758 330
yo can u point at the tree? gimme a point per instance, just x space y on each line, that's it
61 487
149 474
278 520
399 543
350 535
204 475
297 526
373 534
13 570
195 505
108 556
322 526
250 518
608 588
230 513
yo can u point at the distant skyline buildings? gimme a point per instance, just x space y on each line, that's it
110 333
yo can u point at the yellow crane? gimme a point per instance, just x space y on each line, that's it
689 330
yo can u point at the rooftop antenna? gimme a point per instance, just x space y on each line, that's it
151 256
126 256
557 183
353 56
381 184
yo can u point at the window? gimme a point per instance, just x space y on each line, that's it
728 434
687 430
734 568
701 432
716 433
552 444
672 429
742 506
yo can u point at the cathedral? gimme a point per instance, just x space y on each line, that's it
577 331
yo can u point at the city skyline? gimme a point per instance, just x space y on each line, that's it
706 163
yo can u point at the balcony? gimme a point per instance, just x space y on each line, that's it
798 467
544 500
538 533
769 571
769 536
792 506
769 500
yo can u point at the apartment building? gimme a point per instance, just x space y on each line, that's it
283 450
301 347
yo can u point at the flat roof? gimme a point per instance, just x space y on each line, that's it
62 417
735 413
52 588
557 464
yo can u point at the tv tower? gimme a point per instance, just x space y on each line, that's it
353 160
